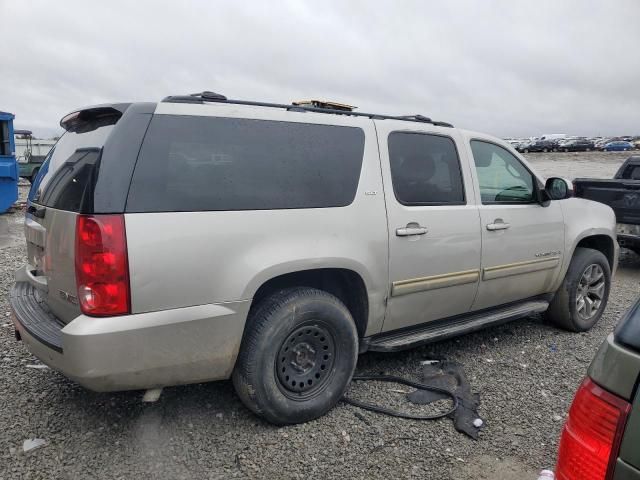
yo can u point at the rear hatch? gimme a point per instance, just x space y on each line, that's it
64 188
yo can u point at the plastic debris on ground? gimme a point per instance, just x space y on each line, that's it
450 375
33 443
152 395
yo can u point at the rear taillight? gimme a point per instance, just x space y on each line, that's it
102 267
591 437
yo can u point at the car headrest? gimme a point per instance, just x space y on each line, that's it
418 167
482 154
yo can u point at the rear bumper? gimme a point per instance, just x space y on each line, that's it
145 350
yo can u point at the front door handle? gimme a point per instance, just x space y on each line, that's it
498 224
411 229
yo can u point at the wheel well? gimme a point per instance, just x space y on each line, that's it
345 284
602 243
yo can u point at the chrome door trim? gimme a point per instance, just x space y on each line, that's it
433 282
518 268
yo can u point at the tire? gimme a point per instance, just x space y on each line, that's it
564 309
297 356
526 150
566 150
544 150
34 174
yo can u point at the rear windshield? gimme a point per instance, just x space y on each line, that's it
210 163
68 174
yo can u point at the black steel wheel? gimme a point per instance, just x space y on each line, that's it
305 361
297 355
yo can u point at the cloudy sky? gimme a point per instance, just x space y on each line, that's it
510 68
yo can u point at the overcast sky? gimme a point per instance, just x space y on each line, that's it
510 68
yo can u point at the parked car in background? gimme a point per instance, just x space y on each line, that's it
576 145
294 257
540 146
636 144
599 145
618 146
30 153
622 193
601 437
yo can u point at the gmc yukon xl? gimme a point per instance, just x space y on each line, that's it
201 238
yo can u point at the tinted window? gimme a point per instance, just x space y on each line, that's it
502 177
209 163
425 169
67 176
633 172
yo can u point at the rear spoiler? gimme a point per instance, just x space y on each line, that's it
90 118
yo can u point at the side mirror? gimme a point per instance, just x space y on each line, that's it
558 188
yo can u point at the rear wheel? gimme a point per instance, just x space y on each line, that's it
297 356
582 297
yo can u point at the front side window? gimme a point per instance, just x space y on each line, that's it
425 169
502 177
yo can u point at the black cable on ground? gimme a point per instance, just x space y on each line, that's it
394 413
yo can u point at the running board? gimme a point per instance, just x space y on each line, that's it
451 327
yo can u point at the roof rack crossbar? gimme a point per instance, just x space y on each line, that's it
217 98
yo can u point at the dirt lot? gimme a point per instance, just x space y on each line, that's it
526 373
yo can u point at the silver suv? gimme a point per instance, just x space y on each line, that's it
202 238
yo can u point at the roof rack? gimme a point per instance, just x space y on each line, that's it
208 96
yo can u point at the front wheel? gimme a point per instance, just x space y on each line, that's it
581 299
297 356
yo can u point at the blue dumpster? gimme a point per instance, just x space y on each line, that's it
8 165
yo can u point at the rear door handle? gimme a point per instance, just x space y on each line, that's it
411 229
498 224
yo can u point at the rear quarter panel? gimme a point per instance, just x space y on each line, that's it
191 258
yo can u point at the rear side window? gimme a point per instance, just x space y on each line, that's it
425 169
210 163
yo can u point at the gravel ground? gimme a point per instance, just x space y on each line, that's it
526 373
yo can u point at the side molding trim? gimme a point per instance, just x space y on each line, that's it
518 268
413 285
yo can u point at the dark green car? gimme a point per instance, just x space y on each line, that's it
601 439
